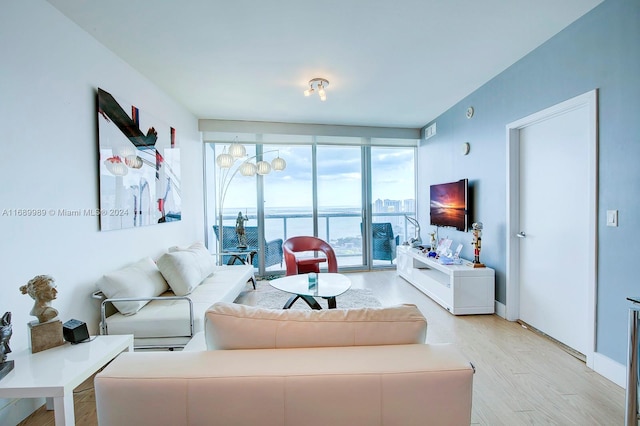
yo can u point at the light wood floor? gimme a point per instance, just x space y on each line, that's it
521 377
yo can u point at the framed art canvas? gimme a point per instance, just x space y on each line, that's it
139 167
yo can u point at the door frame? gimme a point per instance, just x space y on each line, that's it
512 308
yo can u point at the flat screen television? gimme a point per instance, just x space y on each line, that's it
449 204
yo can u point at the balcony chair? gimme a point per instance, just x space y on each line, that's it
273 248
383 243
302 265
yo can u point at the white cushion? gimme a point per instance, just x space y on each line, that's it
142 279
161 321
184 269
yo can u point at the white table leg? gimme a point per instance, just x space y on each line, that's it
63 410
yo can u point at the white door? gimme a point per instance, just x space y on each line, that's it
555 224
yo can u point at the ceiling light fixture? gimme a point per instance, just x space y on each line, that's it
319 85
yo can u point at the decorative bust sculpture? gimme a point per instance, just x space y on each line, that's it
42 290
5 334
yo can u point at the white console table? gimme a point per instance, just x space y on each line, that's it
461 289
54 373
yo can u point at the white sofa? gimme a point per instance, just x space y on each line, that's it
163 303
333 367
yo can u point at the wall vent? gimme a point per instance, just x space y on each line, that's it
430 131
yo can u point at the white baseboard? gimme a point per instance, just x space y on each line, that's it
501 309
14 411
610 369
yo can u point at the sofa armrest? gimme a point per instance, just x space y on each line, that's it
105 302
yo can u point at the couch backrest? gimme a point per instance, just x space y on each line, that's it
235 326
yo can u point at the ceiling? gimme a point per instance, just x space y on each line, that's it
389 64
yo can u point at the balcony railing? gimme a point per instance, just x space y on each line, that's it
341 229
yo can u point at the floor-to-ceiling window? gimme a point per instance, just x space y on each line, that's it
392 198
353 192
340 201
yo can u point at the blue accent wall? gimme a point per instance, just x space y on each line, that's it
600 51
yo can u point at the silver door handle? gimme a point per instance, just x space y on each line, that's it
521 234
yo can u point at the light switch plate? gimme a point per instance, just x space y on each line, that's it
612 217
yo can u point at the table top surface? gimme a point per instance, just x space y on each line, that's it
329 284
54 371
231 252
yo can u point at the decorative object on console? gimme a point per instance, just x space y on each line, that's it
433 241
416 240
477 244
45 333
226 173
443 247
5 335
139 173
319 85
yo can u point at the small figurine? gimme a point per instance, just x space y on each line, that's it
5 334
242 237
477 244
433 242
42 290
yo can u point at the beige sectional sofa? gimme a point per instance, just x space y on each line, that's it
365 366
162 303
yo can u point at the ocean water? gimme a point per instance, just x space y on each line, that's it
340 226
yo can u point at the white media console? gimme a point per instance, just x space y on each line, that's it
461 289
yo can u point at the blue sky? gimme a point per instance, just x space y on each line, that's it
339 178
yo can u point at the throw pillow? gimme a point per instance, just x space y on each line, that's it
139 280
185 269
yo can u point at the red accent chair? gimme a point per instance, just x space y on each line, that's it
302 265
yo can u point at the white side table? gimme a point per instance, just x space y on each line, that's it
56 372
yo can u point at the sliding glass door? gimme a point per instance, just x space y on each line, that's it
392 199
340 201
351 194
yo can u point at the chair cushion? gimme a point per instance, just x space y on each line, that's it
235 326
185 268
141 279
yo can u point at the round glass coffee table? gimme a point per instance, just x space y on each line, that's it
329 285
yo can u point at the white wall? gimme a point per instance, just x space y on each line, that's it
50 70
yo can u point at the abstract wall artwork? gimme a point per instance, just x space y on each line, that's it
139 167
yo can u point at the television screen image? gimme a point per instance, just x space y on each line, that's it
448 205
